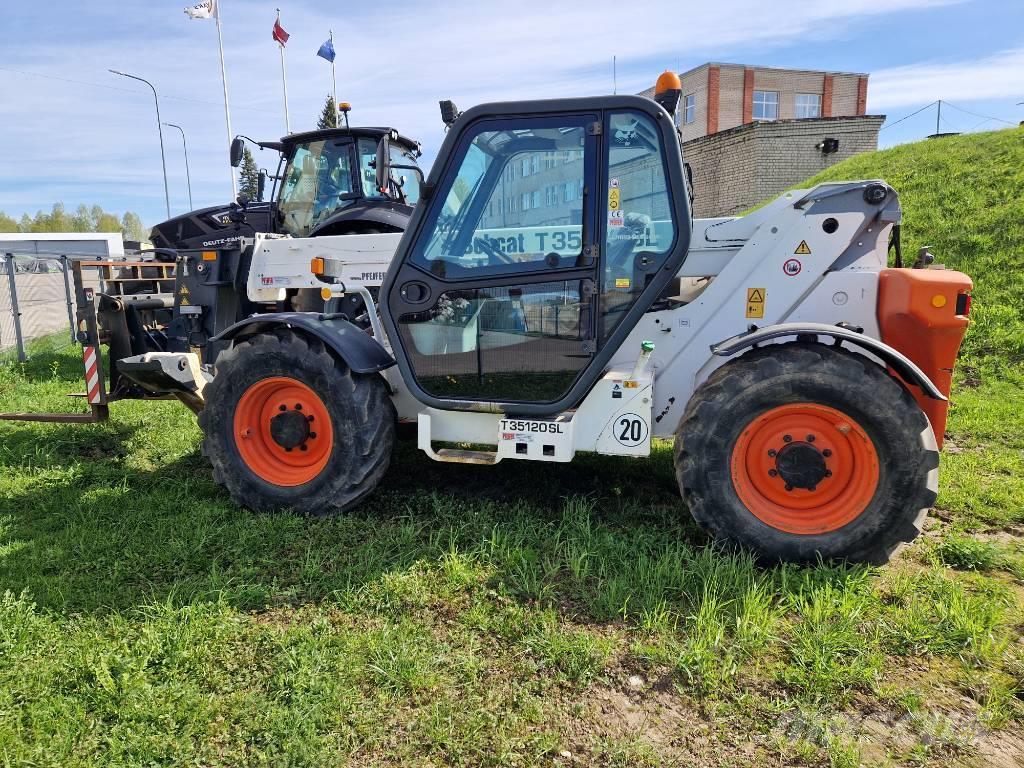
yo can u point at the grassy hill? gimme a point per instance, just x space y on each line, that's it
521 614
964 197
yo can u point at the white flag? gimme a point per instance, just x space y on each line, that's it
205 10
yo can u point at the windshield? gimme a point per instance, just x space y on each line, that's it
317 177
403 177
517 198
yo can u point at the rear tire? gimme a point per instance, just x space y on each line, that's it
801 451
288 425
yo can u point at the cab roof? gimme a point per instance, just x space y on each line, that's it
371 132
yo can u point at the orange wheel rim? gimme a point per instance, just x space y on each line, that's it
805 468
283 431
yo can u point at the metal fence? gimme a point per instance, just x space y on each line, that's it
37 298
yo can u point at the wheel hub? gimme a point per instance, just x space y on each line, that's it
801 465
804 468
283 431
289 429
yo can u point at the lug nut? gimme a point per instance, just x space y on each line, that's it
811 488
771 451
810 438
789 487
826 453
787 438
309 418
312 435
282 407
298 406
828 473
303 447
772 473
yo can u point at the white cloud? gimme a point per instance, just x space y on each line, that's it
394 62
998 76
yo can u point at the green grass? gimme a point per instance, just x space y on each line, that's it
516 614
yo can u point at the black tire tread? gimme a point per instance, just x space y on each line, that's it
713 403
366 403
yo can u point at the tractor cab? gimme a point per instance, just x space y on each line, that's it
547 235
327 181
325 184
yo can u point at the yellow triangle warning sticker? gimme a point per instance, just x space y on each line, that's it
803 249
755 302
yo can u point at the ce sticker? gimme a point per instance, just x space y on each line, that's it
630 430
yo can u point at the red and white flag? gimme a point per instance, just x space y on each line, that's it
205 10
279 34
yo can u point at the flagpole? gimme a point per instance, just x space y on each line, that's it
334 82
284 81
224 82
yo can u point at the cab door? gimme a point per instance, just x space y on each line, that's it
544 233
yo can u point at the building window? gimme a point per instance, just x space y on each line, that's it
535 199
766 105
690 108
808 105
526 201
567 191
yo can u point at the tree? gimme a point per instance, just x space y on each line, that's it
84 219
329 115
108 222
131 226
249 176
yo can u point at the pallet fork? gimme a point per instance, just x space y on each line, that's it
89 334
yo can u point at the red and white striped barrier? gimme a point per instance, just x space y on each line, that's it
92 374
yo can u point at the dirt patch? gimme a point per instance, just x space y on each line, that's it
642 718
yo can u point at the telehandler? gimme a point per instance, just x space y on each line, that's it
552 294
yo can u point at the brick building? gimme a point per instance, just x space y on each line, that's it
752 132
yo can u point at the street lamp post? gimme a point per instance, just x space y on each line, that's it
188 177
159 129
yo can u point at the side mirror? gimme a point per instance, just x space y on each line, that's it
382 162
261 186
237 145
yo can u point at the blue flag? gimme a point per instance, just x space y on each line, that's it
327 50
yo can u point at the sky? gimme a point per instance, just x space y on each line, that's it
72 132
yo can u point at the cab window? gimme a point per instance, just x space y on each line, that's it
367 172
406 178
515 204
318 176
640 231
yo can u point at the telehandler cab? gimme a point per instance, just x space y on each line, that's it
552 294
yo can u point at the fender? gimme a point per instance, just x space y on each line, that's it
391 216
892 357
360 351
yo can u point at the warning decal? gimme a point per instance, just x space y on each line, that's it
613 199
803 249
755 302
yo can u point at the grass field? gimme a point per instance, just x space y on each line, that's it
521 614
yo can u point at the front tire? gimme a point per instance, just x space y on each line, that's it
288 425
801 451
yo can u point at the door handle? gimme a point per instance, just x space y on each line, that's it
414 292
